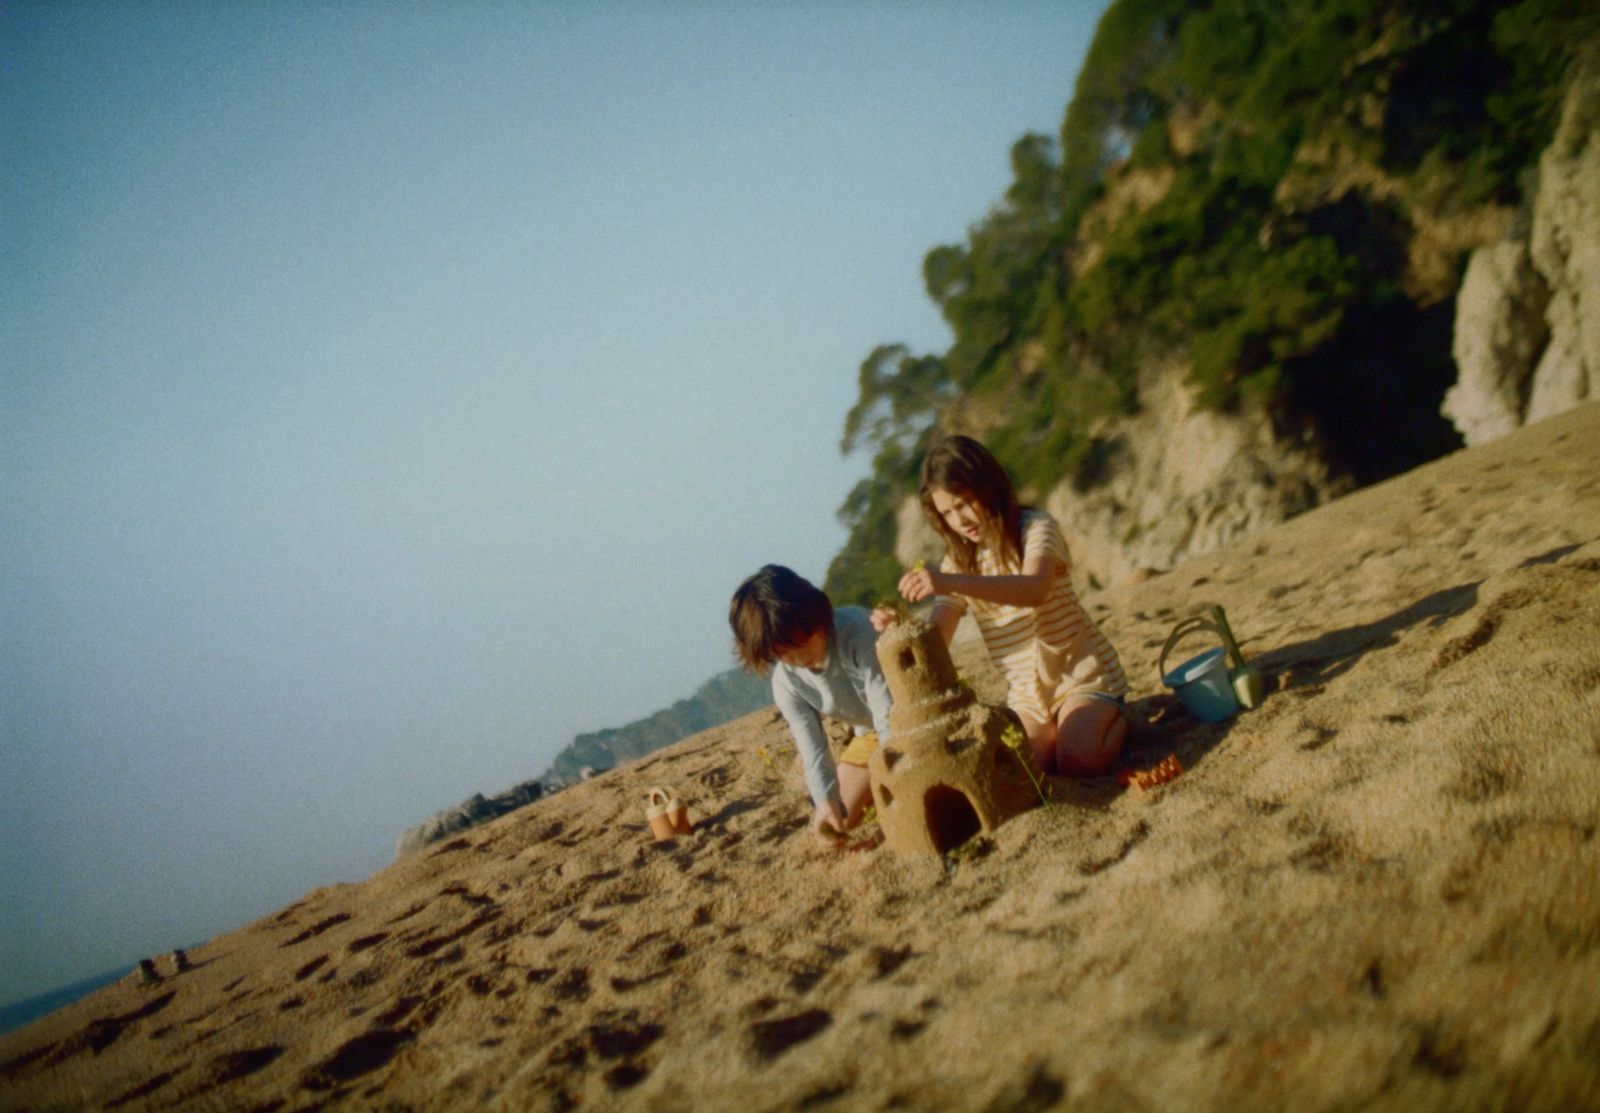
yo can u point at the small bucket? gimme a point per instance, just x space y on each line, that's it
1203 685
668 818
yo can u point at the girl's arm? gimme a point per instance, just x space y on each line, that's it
946 618
1029 589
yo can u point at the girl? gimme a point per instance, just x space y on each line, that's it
1010 565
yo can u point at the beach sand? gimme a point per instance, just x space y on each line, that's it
1378 890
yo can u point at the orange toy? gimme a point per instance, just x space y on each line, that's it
1165 770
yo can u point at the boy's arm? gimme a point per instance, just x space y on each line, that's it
822 779
867 675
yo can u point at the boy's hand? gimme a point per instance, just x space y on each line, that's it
883 618
920 584
827 822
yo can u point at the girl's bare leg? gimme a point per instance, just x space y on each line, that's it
1042 740
855 790
1089 736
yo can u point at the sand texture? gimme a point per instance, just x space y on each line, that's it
1378 890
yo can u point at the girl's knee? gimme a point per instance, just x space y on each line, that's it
1091 736
1042 741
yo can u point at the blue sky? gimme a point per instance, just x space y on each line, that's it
391 392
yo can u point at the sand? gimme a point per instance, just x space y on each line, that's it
1380 889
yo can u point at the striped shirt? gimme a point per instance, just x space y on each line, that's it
1047 653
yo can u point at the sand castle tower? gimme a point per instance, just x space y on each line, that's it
944 775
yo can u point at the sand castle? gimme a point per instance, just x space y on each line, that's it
944 774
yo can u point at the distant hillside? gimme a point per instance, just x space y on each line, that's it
1250 232
724 697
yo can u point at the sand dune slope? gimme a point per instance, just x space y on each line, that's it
1381 889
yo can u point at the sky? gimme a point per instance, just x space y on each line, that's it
390 392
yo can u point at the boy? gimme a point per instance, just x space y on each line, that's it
824 661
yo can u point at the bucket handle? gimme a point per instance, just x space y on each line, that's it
1179 632
665 800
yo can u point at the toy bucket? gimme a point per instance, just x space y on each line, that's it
1203 686
1202 683
667 817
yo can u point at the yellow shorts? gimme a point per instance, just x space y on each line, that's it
859 749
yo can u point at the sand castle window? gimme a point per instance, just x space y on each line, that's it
908 659
959 743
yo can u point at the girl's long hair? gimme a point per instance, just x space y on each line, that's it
963 467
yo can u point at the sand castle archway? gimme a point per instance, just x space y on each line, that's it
950 817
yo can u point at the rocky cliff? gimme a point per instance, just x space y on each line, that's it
1527 334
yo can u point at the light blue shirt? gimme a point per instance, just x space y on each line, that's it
850 686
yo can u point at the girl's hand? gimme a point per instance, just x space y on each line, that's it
883 618
920 584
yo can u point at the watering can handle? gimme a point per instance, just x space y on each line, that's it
1187 626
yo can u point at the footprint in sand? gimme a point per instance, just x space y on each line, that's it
144 1089
359 1056
238 1064
317 929
357 945
617 1038
1487 626
1324 849
771 1038
1091 866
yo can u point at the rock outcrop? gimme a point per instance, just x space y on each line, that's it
1527 333
464 816
1181 481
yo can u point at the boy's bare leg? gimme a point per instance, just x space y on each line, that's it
855 790
1089 736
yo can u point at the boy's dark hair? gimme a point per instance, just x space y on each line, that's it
772 610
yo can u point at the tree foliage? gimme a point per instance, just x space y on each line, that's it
1054 313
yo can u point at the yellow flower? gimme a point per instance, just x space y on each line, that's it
1013 740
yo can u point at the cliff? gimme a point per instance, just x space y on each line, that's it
1527 336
